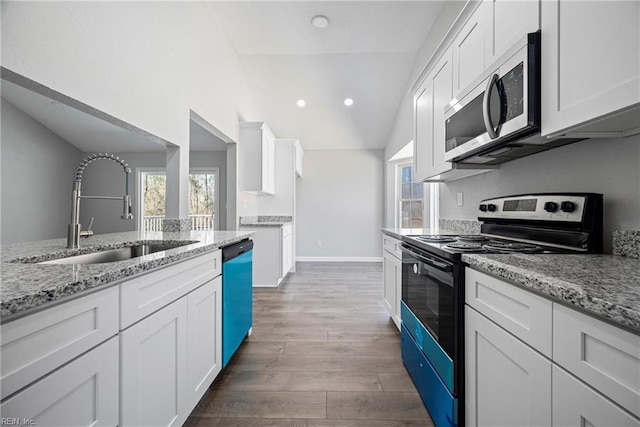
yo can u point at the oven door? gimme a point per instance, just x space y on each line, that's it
502 108
428 308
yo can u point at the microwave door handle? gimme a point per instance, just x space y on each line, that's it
486 105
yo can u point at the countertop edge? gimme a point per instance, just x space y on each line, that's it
41 299
560 291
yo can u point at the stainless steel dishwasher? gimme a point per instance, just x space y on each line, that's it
237 296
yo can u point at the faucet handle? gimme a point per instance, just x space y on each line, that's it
88 232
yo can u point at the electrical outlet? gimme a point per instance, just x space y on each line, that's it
460 199
318 243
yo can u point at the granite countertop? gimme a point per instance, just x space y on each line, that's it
27 286
265 221
606 286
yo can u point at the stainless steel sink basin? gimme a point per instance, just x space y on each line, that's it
119 254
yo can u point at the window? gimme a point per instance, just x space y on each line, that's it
410 198
203 189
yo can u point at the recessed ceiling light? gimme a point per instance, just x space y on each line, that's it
348 102
301 103
320 21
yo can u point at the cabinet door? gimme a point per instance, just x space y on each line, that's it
268 164
469 52
154 357
507 22
507 383
389 275
432 97
575 404
204 340
287 254
602 355
591 60
299 153
81 393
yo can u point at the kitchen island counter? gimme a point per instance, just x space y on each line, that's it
28 286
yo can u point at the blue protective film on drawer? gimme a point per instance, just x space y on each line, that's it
440 361
439 402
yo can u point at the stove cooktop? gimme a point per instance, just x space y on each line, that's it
451 246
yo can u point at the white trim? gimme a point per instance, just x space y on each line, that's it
139 192
338 259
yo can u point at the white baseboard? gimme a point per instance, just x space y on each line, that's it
337 259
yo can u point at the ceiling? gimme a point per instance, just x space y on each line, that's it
366 53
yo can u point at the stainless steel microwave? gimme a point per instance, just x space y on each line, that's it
498 119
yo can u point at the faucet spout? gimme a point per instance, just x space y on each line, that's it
74 230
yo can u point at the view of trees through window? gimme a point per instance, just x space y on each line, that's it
411 203
201 200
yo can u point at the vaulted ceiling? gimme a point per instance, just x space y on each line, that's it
366 53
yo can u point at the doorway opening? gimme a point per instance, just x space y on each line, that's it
203 198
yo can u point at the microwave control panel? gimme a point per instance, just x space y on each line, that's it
547 208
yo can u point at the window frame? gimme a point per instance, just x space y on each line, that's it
139 206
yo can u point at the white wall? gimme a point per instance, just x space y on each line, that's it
147 63
340 203
37 176
610 167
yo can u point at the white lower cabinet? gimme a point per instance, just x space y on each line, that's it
204 339
392 276
591 378
154 360
273 255
575 404
83 392
507 382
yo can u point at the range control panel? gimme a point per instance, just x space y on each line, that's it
535 207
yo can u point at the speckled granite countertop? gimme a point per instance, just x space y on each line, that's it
606 286
27 286
265 221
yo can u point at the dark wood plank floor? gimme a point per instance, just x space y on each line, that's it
323 352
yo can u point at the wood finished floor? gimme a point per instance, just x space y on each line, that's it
323 352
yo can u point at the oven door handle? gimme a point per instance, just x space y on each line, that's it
429 261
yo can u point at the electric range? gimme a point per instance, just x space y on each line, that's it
432 308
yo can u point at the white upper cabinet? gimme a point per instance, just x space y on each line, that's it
507 21
257 148
590 67
430 100
468 50
299 153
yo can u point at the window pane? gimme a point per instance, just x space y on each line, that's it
154 194
418 190
407 175
406 191
405 217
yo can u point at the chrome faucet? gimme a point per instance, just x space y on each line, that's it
75 229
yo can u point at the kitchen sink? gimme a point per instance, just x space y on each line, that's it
119 254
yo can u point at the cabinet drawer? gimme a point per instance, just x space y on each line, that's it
37 344
524 314
82 393
144 295
576 404
602 355
391 245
